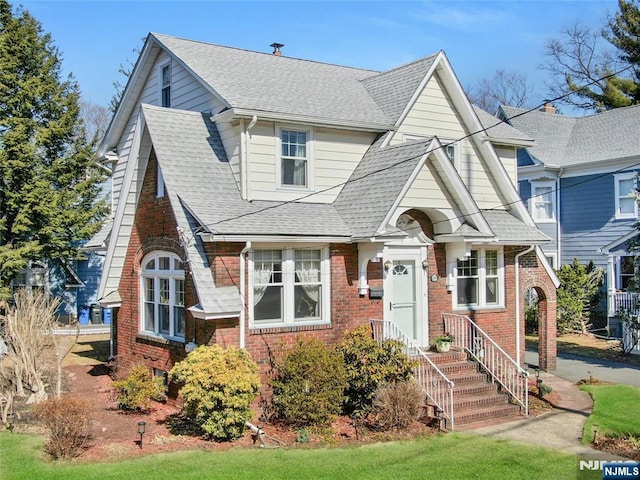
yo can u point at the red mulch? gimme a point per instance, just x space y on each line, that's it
115 432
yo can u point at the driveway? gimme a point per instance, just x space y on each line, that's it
575 367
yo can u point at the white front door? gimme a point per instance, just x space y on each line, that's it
405 293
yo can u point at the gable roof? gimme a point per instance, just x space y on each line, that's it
501 131
568 141
196 170
392 90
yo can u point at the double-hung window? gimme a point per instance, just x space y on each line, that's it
294 158
625 187
165 85
626 272
289 286
163 302
543 201
479 279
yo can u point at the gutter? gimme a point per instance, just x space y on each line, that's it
517 275
243 315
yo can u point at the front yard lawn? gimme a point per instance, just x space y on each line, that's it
615 411
451 456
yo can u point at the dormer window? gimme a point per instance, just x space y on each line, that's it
295 158
165 74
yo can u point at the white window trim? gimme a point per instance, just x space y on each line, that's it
482 305
29 272
310 186
617 178
552 258
446 143
157 275
534 197
618 271
288 275
161 66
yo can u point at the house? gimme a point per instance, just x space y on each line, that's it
578 178
260 198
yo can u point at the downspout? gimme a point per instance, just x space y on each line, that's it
247 144
558 226
517 275
243 315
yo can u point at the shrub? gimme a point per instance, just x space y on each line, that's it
309 384
68 420
397 404
136 391
218 386
369 364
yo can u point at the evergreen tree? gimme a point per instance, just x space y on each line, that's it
49 181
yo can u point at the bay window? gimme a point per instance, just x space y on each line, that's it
163 299
479 279
289 286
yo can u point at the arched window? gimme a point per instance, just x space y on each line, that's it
162 287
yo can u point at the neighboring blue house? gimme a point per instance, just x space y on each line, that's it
578 179
75 282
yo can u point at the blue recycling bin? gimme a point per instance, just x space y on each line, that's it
83 314
106 316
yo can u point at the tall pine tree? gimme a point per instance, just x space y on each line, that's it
49 181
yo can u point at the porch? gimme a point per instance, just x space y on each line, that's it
624 302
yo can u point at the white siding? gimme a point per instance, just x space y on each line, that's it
507 156
434 114
187 93
336 154
426 192
230 134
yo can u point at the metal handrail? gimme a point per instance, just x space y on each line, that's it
497 363
435 384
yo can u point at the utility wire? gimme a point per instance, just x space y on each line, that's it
410 159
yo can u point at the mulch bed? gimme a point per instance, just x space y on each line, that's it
115 432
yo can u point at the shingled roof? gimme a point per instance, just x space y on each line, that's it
567 141
279 84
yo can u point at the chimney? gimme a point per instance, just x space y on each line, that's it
548 108
276 48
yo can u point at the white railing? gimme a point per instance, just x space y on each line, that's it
435 384
629 302
497 363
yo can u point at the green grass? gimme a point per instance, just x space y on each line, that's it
451 456
615 410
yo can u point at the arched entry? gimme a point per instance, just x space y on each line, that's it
539 318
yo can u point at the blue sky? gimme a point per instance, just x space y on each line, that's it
479 37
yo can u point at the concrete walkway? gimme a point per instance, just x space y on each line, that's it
561 428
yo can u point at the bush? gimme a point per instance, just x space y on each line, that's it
68 420
369 364
309 384
397 404
136 391
218 387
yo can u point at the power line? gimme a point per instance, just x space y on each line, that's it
412 158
